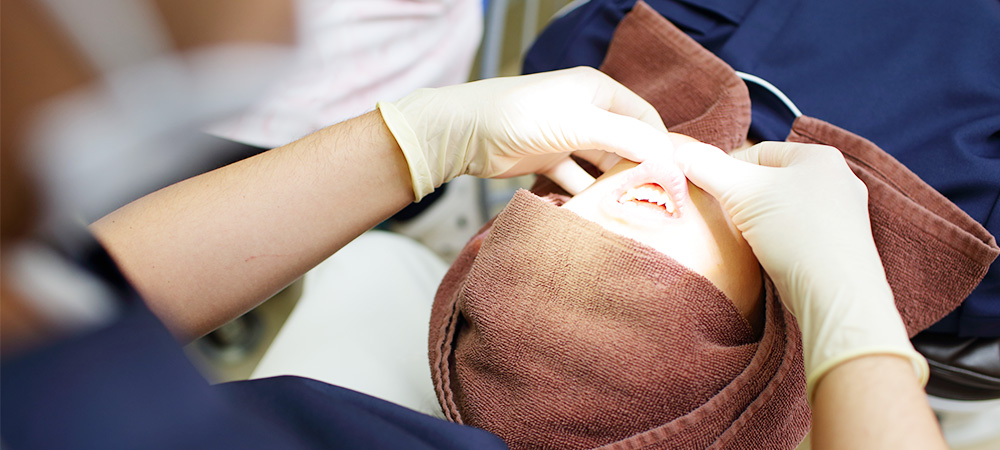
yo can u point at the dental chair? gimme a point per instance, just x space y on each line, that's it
964 387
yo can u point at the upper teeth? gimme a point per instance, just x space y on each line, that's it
649 193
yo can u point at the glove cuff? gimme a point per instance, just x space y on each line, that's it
420 173
918 361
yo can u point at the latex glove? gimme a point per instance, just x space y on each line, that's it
805 215
505 127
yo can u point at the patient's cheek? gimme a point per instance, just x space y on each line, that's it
702 238
686 239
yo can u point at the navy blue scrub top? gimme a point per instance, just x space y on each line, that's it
129 385
919 79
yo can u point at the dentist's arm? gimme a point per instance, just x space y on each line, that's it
805 215
208 249
873 401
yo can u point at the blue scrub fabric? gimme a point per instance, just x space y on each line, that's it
128 385
919 79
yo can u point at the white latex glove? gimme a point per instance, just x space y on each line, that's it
805 215
504 127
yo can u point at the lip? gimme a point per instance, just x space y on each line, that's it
662 172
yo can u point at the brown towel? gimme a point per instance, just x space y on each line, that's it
600 339
555 333
934 253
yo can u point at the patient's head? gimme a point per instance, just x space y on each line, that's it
580 325
646 203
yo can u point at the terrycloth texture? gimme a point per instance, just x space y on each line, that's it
695 92
600 339
934 254
555 333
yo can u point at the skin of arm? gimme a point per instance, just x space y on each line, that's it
205 250
873 402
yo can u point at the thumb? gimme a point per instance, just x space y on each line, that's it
569 175
711 169
788 154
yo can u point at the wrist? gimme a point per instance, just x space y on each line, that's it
873 402
843 318
408 145
853 324
916 362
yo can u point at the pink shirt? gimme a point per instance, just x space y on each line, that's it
353 53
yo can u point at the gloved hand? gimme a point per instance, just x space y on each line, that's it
506 127
805 215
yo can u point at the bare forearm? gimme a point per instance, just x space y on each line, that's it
207 249
873 402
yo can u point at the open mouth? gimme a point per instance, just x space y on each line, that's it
651 197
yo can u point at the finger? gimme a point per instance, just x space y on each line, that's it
613 97
603 160
713 170
625 136
570 176
768 153
785 154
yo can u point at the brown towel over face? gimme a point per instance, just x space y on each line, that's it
563 335
555 333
